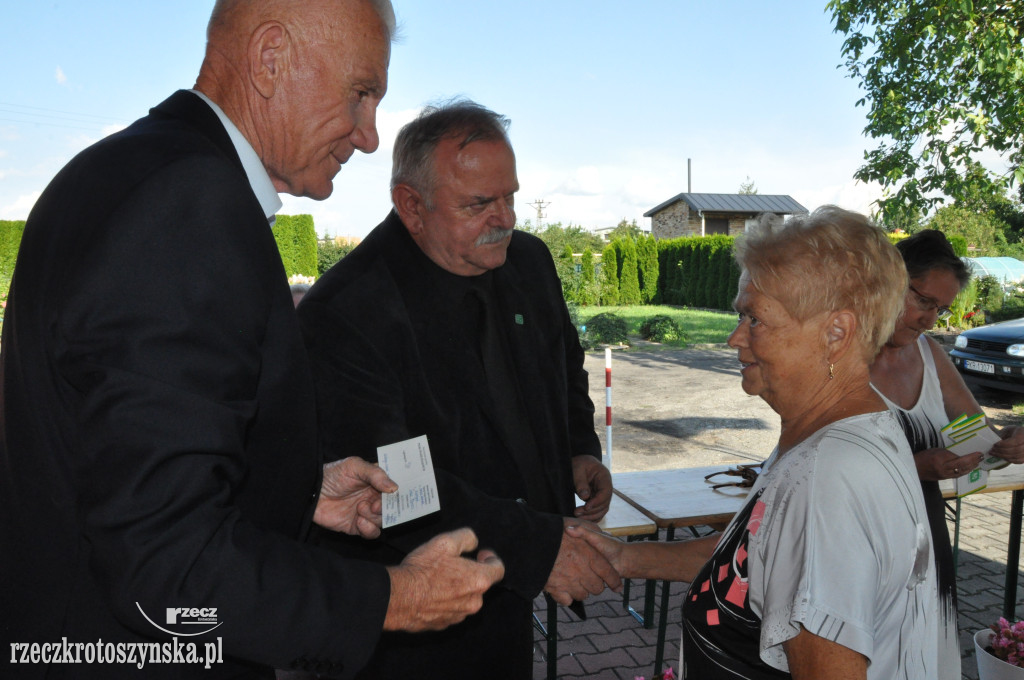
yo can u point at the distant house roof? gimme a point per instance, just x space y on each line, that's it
741 203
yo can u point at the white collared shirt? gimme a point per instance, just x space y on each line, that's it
257 175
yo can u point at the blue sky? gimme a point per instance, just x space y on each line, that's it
608 99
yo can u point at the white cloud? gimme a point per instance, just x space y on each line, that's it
61 78
19 209
852 195
586 181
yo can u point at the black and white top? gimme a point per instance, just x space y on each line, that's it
922 424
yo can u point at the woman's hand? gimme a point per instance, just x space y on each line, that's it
937 464
610 547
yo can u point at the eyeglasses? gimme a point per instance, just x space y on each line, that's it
927 304
748 472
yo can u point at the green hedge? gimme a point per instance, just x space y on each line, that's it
697 271
609 276
296 241
10 241
629 271
647 253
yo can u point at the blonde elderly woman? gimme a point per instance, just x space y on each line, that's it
827 570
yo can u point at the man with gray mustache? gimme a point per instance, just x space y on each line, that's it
448 322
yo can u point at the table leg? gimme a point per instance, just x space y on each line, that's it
552 638
647 618
1013 556
659 650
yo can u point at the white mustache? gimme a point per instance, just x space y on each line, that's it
494 236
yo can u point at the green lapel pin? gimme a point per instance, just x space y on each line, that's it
519 319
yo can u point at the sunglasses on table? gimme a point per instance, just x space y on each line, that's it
747 472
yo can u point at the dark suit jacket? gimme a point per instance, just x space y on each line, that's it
391 361
158 443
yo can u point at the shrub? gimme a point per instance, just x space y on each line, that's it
1013 307
609 277
647 251
661 329
565 267
574 317
329 253
990 294
958 243
590 290
629 273
607 329
10 241
963 306
296 242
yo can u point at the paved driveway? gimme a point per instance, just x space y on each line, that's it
685 408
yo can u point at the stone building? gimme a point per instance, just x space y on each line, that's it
706 214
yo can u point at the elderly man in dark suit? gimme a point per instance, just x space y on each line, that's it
159 460
447 322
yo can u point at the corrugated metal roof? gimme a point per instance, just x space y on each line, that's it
742 203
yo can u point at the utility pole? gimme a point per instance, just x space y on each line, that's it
539 205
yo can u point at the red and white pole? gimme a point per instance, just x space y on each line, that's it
608 404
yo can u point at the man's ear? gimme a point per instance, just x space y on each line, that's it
840 334
268 57
410 206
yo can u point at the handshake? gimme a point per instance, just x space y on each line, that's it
436 586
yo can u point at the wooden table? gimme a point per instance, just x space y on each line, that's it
1010 478
676 498
625 520
682 498
622 519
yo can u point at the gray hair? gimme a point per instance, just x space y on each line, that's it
462 119
830 260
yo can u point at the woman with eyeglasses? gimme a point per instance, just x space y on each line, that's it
921 386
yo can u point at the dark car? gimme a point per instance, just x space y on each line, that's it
992 355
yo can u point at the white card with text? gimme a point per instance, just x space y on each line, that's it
408 464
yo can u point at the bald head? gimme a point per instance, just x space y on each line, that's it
301 79
237 17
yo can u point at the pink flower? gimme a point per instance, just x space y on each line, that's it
1008 641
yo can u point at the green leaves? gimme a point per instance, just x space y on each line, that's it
942 82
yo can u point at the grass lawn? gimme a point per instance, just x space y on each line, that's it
699 325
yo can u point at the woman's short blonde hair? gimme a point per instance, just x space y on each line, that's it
827 261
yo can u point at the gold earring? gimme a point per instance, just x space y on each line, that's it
831 371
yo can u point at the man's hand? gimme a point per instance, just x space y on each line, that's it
610 547
435 587
579 570
1011 447
937 464
350 497
593 483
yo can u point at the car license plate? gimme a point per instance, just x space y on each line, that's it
979 366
